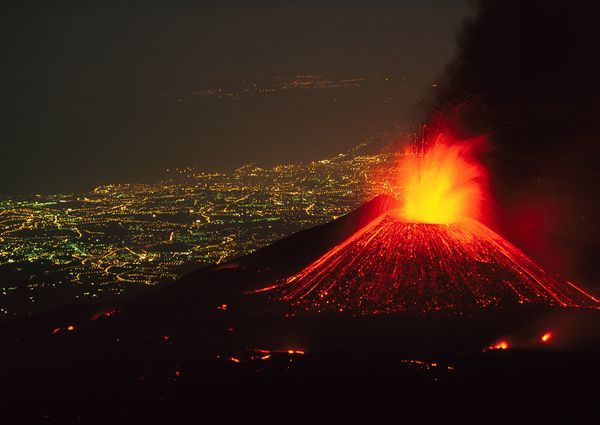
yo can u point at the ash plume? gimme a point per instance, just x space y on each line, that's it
527 74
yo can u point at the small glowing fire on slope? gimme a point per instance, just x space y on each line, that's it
433 253
262 354
545 338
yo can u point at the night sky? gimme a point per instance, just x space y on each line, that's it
83 83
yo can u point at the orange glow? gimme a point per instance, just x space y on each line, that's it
222 307
502 345
70 328
234 359
267 351
444 185
422 364
107 313
546 337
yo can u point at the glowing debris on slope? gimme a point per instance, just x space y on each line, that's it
500 345
395 266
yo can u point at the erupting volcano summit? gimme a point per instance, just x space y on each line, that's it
430 254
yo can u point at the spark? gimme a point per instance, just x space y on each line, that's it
422 364
547 337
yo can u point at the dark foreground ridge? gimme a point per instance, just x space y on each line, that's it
204 351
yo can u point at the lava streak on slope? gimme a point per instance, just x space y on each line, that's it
397 266
430 254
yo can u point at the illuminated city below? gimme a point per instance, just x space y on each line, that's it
118 240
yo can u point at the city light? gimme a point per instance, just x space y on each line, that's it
119 239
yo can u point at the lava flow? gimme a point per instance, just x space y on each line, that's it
430 254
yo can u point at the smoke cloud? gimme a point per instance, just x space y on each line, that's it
527 74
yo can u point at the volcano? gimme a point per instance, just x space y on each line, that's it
392 265
431 252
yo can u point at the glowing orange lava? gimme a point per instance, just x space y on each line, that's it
431 252
444 185
394 266
501 345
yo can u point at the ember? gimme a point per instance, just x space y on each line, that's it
108 313
69 328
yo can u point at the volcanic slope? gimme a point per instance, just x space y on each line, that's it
396 266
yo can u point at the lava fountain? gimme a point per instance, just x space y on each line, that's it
444 185
432 253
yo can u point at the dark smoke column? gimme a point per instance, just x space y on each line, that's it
527 73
